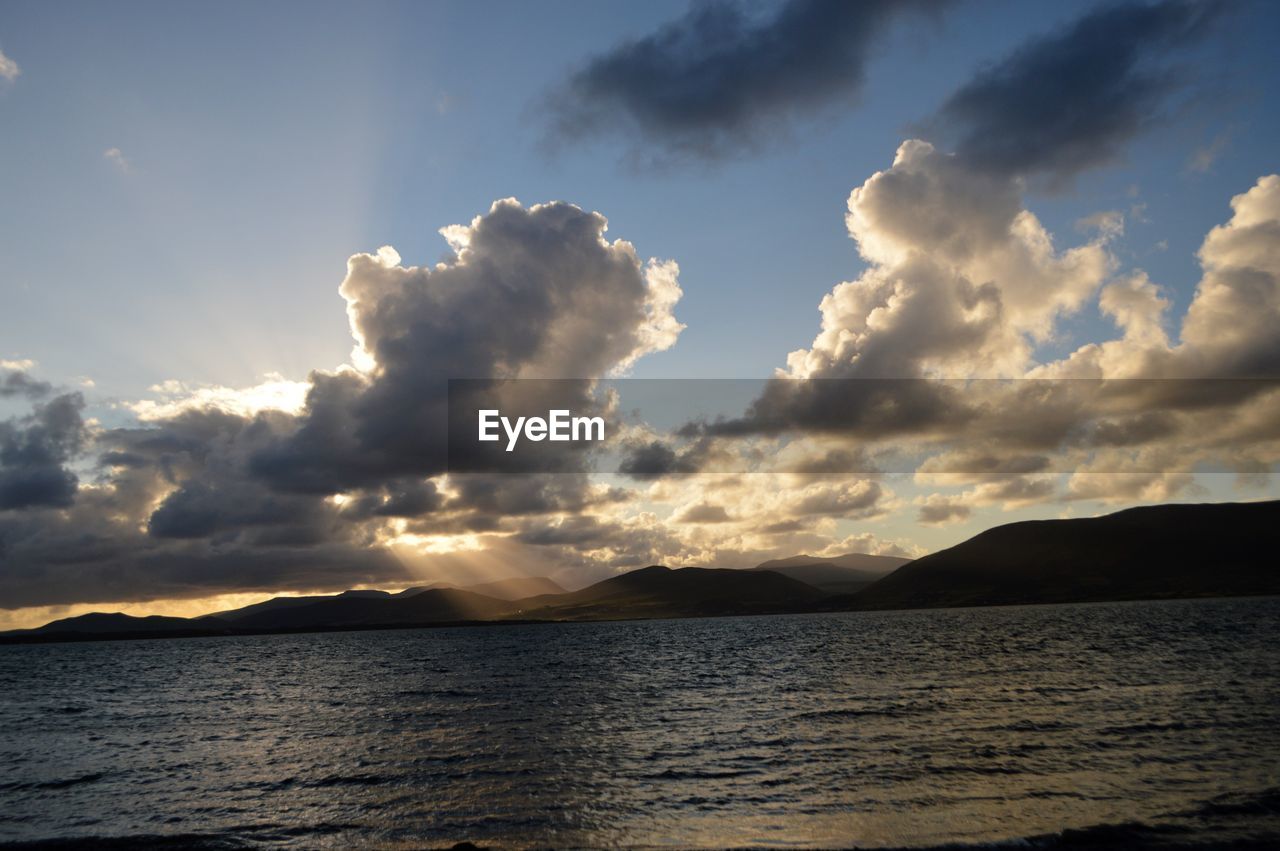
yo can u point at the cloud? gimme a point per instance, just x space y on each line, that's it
14 381
117 159
964 283
939 510
533 292
1071 100
1228 331
9 69
275 392
1230 326
339 481
342 483
719 80
34 451
702 512
1108 224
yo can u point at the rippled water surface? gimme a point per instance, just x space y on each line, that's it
1155 723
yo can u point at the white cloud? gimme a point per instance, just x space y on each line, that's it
176 397
117 158
9 69
963 280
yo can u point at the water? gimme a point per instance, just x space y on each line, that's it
1120 724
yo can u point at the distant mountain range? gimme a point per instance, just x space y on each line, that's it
837 574
1143 553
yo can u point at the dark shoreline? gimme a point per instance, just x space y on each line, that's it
81 637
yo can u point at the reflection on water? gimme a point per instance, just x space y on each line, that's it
887 729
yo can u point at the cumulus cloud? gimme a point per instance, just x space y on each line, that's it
963 280
1230 327
533 292
314 485
720 80
34 452
1071 100
339 481
964 283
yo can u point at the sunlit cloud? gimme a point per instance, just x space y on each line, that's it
275 393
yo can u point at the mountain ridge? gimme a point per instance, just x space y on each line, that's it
1149 552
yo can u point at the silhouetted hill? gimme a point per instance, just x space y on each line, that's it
275 603
435 605
656 591
1142 553
837 574
854 561
1154 552
117 624
516 588
114 622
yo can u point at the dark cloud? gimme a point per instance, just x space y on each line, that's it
861 409
719 80
649 460
1071 100
16 382
34 451
532 292
938 510
178 514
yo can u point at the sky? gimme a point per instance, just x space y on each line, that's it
196 200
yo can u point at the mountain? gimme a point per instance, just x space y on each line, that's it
119 624
235 615
503 589
1142 553
516 588
836 574
435 605
661 592
1221 549
854 561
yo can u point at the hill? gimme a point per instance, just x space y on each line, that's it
837 574
435 605
1222 549
120 625
1154 552
516 588
661 592
504 589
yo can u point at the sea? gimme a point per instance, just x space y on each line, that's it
1120 725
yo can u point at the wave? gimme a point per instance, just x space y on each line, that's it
58 783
